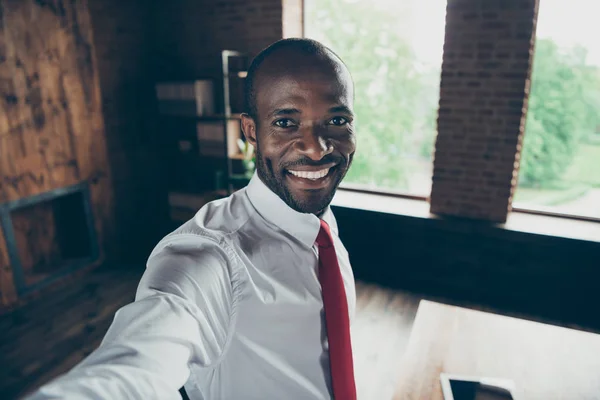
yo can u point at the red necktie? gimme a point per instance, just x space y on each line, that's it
337 320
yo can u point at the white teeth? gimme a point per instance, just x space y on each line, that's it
314 175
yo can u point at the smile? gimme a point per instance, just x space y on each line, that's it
312 175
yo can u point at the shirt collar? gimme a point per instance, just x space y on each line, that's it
304 227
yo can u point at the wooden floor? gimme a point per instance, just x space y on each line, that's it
58 329
380 333
53 333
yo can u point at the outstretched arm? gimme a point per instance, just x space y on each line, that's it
181 315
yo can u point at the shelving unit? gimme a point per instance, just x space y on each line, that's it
200 169
228 75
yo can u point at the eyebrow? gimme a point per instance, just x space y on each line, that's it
291 111
284 111
341 109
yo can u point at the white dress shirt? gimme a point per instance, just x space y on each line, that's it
229 305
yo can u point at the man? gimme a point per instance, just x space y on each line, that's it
241 302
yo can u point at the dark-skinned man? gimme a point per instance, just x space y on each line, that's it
252 298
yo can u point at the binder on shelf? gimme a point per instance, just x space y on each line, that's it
211 137
193 98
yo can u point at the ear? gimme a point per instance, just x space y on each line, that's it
249 129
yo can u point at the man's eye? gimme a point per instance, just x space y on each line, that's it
284 123
338 121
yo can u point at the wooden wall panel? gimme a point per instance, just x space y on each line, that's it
51 125
8 294
36 237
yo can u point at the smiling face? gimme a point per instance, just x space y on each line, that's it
303 130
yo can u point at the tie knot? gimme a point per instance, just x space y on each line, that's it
324 238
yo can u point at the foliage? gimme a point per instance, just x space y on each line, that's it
563 111
249 158
395 100
585 168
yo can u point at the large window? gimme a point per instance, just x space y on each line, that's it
560 165
394 51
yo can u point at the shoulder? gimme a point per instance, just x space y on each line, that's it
178 250
200 255
193 266
220 217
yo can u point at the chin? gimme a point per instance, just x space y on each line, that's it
310 201
312 206
311 197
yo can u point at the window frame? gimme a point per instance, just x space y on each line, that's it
358 188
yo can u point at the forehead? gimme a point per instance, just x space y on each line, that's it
303 86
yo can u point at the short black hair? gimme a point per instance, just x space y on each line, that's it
305 46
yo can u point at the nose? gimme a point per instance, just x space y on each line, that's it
313 144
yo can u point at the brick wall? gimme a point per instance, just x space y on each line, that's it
485 78
125 52
192 33
137 44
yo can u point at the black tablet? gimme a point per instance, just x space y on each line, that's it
458 387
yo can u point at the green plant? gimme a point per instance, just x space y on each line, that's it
562 113
396 97
249 160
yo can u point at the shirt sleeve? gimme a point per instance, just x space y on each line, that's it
181 315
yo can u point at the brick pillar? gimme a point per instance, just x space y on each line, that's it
483 95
